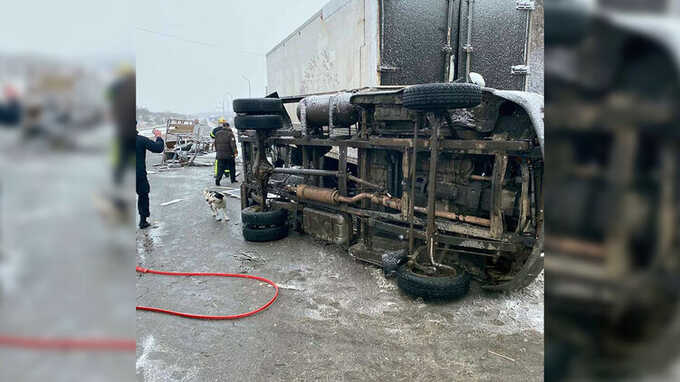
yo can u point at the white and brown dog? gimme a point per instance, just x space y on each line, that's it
217 203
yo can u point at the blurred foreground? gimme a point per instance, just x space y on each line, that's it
66 249
613 190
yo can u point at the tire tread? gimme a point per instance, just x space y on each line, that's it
442 96
433 287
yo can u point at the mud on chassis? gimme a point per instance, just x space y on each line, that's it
445 185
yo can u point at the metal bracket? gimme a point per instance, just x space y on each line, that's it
525 5
520 70
468 48
387 68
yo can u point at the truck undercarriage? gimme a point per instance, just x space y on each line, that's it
446 179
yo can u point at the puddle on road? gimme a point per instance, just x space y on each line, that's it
150 239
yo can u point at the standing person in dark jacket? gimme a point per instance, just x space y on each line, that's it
225 145
143 143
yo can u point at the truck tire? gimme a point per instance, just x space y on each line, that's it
257 106
258 122
427 287
255 234
253 216
442 96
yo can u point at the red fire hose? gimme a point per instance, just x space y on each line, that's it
206 317
67 344
129 345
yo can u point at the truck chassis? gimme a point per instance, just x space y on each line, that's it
449 190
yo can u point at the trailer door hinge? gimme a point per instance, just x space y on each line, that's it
520 70
525 5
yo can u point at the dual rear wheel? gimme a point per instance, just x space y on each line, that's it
263 226
261 115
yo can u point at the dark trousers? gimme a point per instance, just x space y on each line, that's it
143 205
143 189
226 164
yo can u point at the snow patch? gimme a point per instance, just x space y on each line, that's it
157 370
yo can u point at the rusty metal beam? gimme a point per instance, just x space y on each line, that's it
412 178
524 197
315 172
499 169
244 195
304 171
342 170
464 146
431 240
443 225
364 182
488 245
363 173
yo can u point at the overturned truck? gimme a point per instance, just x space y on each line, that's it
437 182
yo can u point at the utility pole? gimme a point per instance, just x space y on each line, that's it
224 95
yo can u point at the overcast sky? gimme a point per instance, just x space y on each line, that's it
73 29
189 54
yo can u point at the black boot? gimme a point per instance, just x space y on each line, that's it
143 223
217 182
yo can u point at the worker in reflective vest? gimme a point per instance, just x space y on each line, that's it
226 152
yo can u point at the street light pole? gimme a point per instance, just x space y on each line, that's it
223 95
249 89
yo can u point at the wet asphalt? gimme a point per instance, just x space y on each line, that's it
64 270
336 319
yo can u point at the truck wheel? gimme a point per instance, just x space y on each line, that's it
258 122
442 96
433 287
255 216
255 234
257 106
